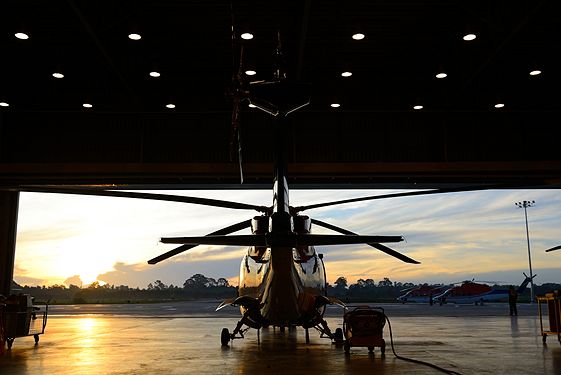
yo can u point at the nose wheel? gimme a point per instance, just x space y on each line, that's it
225 337
338 336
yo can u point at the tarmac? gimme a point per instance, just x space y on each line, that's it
184 338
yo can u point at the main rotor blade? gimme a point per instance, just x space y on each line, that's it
152 196
553 248
404 194
231 229
378 246
290 240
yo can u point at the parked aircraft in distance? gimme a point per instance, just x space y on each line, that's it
477 293
422 294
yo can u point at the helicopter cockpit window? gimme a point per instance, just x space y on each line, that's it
252 271
259 254
302 254
307 264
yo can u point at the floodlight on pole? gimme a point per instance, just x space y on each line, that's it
525 205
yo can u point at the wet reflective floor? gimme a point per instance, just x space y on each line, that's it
184 338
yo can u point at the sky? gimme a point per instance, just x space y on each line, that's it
480 235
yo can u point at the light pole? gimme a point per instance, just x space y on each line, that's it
525 205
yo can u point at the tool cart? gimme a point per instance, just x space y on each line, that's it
19 317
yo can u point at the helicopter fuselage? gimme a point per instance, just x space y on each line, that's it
287 285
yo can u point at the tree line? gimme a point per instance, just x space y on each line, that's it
199 286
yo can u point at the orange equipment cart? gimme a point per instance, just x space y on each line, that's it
553 301
364 326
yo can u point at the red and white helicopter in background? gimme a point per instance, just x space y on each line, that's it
422 294
477 293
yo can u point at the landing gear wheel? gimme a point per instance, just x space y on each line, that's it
225 337
347 347
338 336
10 342
383 348
371 349
36 337
544 338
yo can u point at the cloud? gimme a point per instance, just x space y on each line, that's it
169 272
73 280
31 281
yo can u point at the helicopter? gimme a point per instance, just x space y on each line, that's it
477 292
422 293
282 280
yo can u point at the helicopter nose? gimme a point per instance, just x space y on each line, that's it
281 289
280 301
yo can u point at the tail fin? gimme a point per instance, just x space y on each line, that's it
525 283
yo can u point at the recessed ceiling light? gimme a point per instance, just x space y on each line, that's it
247 36
154 74
335 105
499 105
170 105
417 107
134 36
441 75
346 74
4 104
58 75
535 72
252 105
358 36
469 37
87 105
22 36
250 72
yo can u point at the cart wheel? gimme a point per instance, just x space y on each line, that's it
347 347
383 348
371 349
544 338
10 342
225 337
36 337
338 335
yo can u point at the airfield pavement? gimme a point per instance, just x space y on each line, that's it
184 338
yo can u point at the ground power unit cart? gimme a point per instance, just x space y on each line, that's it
363 326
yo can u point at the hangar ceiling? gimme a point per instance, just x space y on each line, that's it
374 138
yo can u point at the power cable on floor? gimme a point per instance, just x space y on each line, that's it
446 371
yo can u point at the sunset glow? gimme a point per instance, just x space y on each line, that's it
68 239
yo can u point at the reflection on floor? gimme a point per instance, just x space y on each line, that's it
109 344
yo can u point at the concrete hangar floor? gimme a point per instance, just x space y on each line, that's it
184 338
